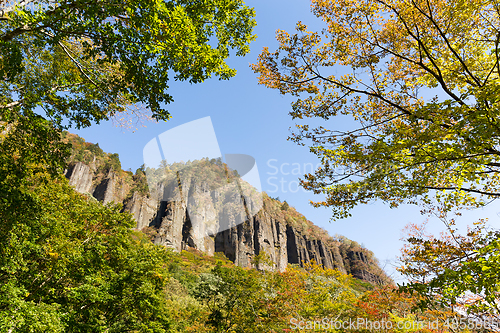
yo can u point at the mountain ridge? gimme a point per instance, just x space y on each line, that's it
276 236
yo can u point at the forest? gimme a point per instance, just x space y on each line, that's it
419 81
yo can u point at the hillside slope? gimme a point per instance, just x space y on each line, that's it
194 216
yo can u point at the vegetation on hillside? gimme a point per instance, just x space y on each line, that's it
71 264
90 154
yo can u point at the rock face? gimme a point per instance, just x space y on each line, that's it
194 216
301 248
143 208
80 177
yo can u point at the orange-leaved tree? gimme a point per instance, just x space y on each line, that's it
457 271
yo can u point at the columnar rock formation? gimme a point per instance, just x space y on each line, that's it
265 240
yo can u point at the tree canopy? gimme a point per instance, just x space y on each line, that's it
457 271
83 61
409 94
70 264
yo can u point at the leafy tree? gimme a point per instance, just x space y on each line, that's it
114 162
304 294
84 61
456 271
72 63
96 150
70 264
417 85
227 292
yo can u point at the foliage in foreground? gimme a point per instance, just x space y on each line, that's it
70 264
455 270
86 61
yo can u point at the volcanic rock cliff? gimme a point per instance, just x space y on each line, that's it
181 211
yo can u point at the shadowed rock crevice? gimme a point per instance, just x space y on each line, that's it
291 246
187 234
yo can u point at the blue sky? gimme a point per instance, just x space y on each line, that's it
253 120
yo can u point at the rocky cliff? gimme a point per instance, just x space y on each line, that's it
182 211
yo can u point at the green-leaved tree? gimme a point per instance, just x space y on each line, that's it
83 61
73 63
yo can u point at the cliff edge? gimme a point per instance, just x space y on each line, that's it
181 212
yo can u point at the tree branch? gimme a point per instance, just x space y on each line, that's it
11 105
